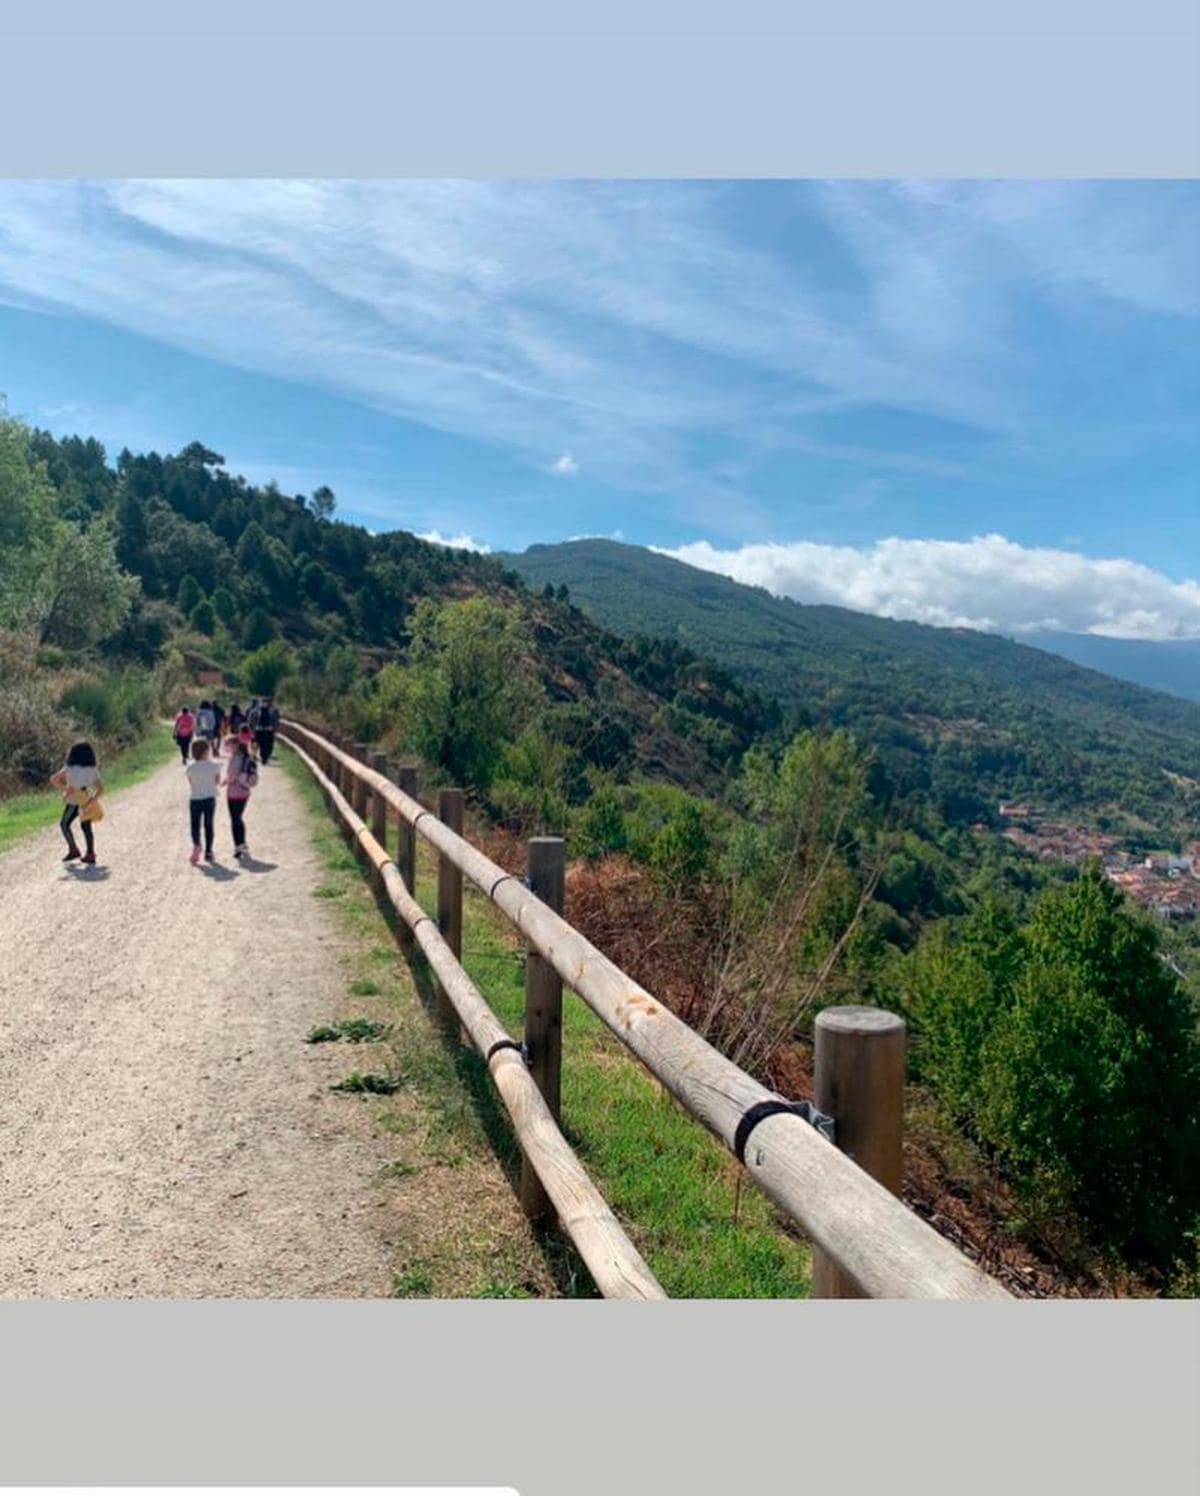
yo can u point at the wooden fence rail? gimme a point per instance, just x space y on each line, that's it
881 1247
611 1258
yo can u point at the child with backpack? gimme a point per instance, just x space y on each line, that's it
204 776
79 779
205 720
241 776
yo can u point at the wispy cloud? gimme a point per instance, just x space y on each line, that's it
629 325
985 583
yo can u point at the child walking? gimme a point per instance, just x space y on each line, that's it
204 775
241 775
79 779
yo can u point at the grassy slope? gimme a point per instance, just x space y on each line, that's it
673 1187
454 1219
24 814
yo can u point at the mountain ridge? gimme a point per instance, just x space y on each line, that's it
1018 718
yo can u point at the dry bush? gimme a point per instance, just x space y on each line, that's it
31 734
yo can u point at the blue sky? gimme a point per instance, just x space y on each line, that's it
966 402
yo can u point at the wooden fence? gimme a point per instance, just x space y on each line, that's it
866 1242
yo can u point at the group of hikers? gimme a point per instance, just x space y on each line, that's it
225 749
218 750
211 722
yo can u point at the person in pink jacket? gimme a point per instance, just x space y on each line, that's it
185 731
241 775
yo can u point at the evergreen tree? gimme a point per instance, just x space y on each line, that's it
323 502
203 618
258 630
189 594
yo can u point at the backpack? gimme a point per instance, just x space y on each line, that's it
248 772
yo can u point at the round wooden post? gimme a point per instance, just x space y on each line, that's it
449 916
543 1010
859 1082
406 844
379 806
361 793
345 781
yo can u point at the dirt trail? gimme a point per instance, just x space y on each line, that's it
164 1130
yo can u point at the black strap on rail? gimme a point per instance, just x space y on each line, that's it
503 1044
761 1110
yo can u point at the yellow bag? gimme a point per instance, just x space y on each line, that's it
93 810
75 797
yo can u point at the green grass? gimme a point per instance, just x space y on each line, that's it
22 815
462 1233
674 1188
353 1030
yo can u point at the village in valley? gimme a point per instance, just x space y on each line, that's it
1166 883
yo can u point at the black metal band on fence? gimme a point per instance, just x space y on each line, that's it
503 1044
761 1110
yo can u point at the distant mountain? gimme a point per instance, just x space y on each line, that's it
960 718
1172 665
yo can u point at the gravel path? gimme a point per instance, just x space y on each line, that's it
164 1130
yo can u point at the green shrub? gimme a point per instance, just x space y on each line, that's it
529 788
258 630
92 703
600 826
264 668
1070 1049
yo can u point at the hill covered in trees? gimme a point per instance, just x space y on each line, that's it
960 719
172 563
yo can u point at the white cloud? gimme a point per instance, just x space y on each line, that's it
455 542
987 582
566 466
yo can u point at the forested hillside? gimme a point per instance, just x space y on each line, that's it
961 719
174 564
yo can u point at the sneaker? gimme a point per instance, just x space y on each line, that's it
89 858
208 856
71 855
195 857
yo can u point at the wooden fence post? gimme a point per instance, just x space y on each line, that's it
379 807
359 798
345 780
859 1082
406 844
450 891
543 1010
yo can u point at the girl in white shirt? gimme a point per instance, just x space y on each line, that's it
204 775
79 779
